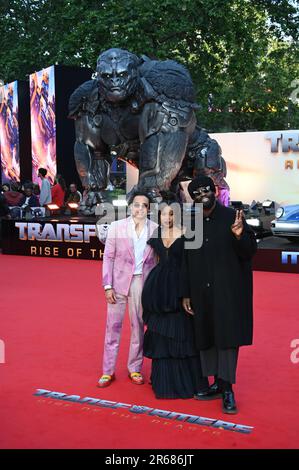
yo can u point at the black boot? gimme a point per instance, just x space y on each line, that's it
211 393
228 399
216 386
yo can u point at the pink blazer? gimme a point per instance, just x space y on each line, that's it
119 258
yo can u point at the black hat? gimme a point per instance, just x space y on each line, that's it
200 182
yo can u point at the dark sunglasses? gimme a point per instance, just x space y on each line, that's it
204 190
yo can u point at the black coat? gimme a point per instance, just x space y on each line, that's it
218 279
4 209
33 201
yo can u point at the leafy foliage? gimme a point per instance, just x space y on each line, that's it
245 53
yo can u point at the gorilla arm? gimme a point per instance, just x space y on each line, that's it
92 155
164 133
92 158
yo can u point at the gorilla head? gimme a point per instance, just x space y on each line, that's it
117 74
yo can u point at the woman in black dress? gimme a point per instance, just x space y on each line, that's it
168 340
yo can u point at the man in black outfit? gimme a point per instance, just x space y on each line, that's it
4 212
4 209
29 198
217 291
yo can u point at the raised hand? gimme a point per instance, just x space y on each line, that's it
238 225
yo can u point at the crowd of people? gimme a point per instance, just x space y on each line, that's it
196 301
29 194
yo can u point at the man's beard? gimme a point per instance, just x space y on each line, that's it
209 203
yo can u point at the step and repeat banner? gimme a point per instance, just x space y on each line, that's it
9 133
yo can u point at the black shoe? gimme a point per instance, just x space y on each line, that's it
216 388
211 393
228 402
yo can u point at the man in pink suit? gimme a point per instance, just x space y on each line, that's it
126 263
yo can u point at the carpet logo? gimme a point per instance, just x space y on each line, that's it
2 352
295 353
141 409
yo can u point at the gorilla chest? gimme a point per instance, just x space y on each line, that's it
119 126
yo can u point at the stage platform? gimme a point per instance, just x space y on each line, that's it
76 237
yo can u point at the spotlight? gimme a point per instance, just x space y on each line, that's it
269 206
73 206
52 209
268 203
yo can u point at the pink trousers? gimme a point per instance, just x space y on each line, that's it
115 316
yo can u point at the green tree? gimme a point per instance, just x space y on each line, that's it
244 53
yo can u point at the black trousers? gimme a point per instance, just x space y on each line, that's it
220 362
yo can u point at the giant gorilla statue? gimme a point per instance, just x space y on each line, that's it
142 111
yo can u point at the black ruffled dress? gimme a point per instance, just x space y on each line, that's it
169 338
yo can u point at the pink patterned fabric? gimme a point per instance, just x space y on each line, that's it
115 316
223 196
119 259
118 271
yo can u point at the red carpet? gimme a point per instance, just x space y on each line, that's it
52 323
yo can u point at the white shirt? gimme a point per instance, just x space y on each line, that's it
139 245
26 203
